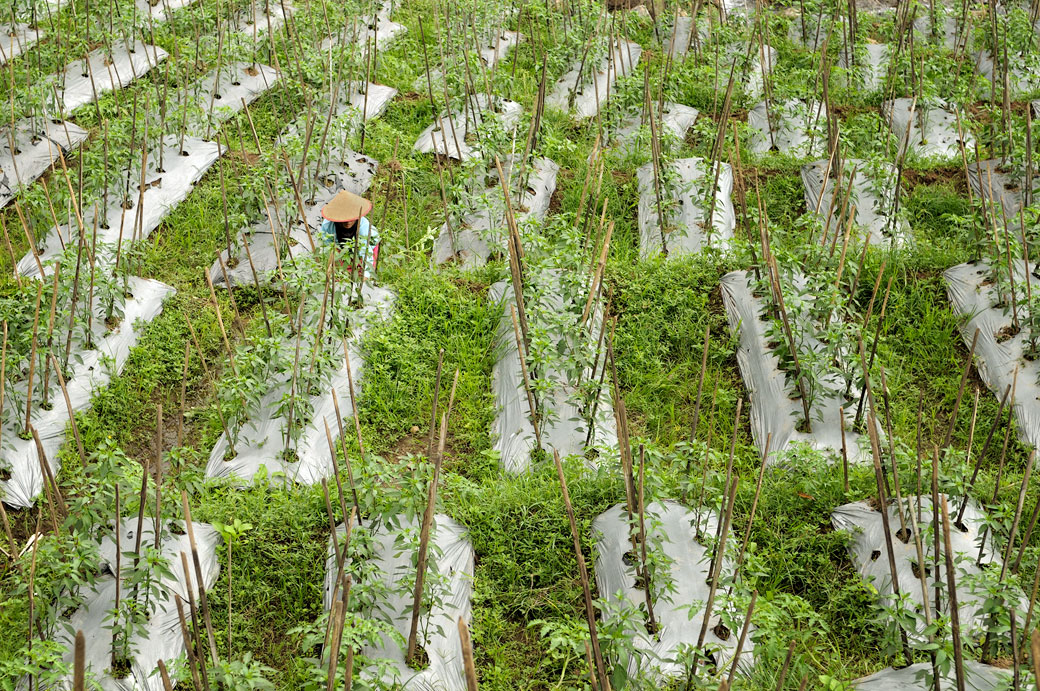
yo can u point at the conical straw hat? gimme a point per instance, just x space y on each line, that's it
346 206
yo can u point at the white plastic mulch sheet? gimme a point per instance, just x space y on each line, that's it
161 638
774 408
683 567
564 425
874 198
15 39
30 148
484 229
376 30
495 48
685 206
163 191
352 98
219 96
449 581
597 81
793 127
996 184
265 250
870 555
91 370
675 121
461 130
260 440
762 62
1021 79
816 26
918 677
947 33
262 16
933 130
869 67
680 39
85 80
159 10
1000 357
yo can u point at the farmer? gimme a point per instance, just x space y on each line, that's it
346 225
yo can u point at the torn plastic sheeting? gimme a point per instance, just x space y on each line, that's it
774 409
260 440
594 93
1021 79
15 39
163 192
161 638
354 174
687 233
90 371
563 427
797 128
221 96
870 68
870 555
351 98
993 183
451 558
874 207
675 121
484 230
1001 362
933 131
84 81
34 151
684 563
763 61
917 677
258 19
467 120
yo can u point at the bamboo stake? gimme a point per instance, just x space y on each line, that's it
590 609
467 656
951 582
424 539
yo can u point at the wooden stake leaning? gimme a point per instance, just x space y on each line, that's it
590 609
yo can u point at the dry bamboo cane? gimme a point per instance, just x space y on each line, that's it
193 610
424 539
590 610
68 406
787 665
700 384
167 683
719 557
198 576
743 637
531 404
960 391
337 618
433 411
192 664
467 656
883 508
641 507
951 582
79 664
978 461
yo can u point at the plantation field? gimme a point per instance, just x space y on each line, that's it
699 352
